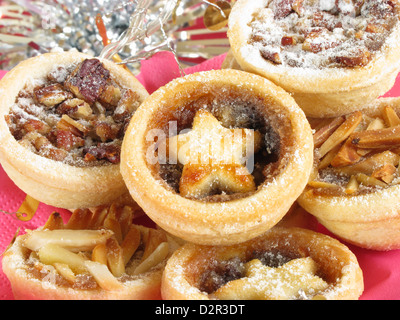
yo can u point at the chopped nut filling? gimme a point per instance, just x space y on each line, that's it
77 115
94 249
314 34
357 154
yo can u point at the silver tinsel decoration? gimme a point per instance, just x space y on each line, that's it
136 29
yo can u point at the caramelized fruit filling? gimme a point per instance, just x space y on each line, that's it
77 115
320 33
223 149
94 249
356 154
267 275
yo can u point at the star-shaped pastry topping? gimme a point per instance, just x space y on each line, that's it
295 279
213 156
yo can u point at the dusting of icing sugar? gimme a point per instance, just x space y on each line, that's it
340 36
99 125
273 273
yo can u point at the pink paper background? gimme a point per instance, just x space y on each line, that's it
380 269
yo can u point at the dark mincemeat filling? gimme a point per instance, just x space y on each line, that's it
76 115
219 273
233 114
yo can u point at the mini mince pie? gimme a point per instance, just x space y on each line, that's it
98 254
355 188
282 264
217 157
62 120
332 55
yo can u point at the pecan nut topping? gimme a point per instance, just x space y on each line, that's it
89 80
77 114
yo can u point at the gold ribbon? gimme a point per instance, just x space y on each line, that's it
25 212
27 209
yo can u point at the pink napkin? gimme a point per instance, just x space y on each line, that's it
380 269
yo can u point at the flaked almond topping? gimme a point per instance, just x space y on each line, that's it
371 163
99 254
323 133
327 159
321 184
51 253
341 133
385 173
65 271
100 243
358 154
346 156
77 240
54 221
81 219
377 139
103 276
352 186
391 118
376 124
153 239
369 181
157 256
115 257
130 243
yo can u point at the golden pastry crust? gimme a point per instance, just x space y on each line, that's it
226 221
336 265
49 181
98 255
368 219
320 92
26 288
299 218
